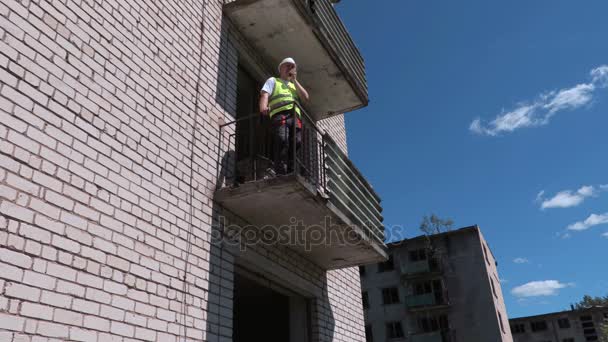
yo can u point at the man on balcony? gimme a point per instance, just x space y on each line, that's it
277 100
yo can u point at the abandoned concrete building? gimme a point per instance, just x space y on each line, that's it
133 200
576 325
438 288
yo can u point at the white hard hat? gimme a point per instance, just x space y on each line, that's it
286 60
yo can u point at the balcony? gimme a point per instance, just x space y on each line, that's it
322 207
330 65
414 301
421 268
434 336
425 301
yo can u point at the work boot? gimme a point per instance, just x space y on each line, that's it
269 173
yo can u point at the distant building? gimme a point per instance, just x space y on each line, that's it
442 288
566 326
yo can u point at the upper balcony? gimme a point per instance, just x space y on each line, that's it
426 301
322 207
422 268
310 31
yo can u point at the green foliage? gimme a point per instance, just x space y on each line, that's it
604 332
435 225
589 301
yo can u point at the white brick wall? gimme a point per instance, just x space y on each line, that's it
336 127
98 103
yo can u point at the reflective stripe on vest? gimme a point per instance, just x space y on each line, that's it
283 96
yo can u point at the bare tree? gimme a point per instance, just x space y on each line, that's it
434 225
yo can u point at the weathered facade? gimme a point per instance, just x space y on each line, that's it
118 135
580 325
441 288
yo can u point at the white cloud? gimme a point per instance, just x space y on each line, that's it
605 235
599 76
523 116
521 260
586 190
540 111
540 195
503 281
539 288
592 220
571 98
475 126
567 198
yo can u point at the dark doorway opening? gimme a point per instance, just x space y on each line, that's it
260 313
265 311
253 141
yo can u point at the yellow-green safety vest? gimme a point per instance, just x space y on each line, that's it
283 97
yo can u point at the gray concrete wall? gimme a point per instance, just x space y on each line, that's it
493 281
378 314
473 310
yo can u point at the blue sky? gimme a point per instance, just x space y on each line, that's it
493 113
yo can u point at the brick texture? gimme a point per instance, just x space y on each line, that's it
109 115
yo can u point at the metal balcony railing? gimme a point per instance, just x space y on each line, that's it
350 192
338 41
247 148
415 267
421 267
427 300
247 154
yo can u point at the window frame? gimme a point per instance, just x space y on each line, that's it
493 287
392 294
417 255
388 265
518 328
564 323
537 326
502 326
427 324
394 330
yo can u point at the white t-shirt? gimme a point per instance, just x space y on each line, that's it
269 85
